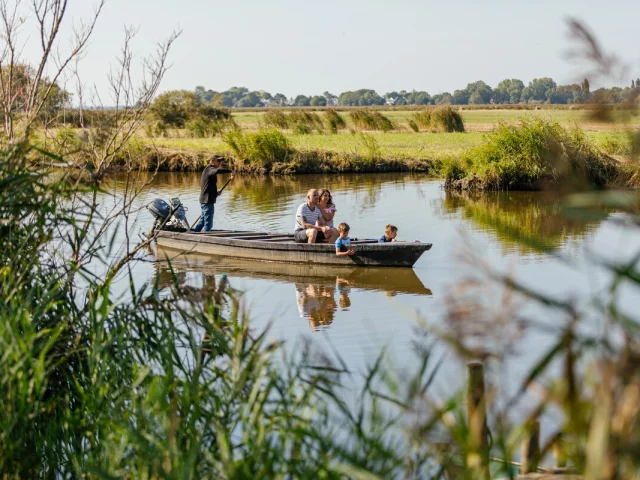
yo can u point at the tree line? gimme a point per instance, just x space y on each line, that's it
509 91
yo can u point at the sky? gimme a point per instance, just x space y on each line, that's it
309 47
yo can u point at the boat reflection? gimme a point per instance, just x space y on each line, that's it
320 290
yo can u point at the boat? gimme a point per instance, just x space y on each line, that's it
392 281
281 247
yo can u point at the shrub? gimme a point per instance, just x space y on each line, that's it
202 127
275 119
263 147
440 119
529 156
334 121
371 146
305 122
370 120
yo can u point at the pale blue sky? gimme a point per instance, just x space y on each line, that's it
308 47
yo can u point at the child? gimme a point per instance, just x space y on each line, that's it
343 241
390 234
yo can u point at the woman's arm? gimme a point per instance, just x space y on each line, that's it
328 216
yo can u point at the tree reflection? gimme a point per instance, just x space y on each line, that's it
528 222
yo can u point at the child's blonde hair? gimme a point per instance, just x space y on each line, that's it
390 229
343 227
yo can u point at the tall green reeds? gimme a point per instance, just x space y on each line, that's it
334 121
365 119
303 122
275 119
533 155
440 119
262 148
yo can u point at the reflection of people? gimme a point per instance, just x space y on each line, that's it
209 192
317 303
344 288
307 215
390 234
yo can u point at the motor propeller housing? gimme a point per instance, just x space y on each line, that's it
169 216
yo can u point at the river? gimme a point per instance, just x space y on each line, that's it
356 314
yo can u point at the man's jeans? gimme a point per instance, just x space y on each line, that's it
206 219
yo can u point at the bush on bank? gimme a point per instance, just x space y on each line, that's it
533 155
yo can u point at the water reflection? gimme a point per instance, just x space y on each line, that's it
523 222
320 290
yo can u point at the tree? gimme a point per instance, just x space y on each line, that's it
174 108
633 83
443 99
318 101
508 91
332 100
32 96
479 93
539 90
461 97
280 99
204 96
362 98
301 101
250 100
417 98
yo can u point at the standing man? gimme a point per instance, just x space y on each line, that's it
306 230
209 192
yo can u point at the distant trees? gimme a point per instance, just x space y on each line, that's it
508 91
318 101
360 98
302 101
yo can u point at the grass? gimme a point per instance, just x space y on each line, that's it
475 120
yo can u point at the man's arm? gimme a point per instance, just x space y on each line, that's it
303 221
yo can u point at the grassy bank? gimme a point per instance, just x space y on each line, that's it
402 151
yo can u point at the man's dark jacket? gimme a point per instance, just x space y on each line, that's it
209 183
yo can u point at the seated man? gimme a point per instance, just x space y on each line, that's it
306 230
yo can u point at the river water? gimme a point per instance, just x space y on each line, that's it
358 313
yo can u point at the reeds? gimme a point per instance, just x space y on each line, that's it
366 119
262 148
275 119
334 121
303 122
439 119
533 155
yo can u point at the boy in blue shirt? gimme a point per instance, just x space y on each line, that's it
390 234
343 241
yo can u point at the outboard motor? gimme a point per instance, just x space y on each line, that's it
170 217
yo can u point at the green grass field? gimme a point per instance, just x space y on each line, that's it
392 145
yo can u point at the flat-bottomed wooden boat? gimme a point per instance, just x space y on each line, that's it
280 247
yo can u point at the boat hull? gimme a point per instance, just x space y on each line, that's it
393 254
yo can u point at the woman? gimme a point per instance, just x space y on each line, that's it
327 208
